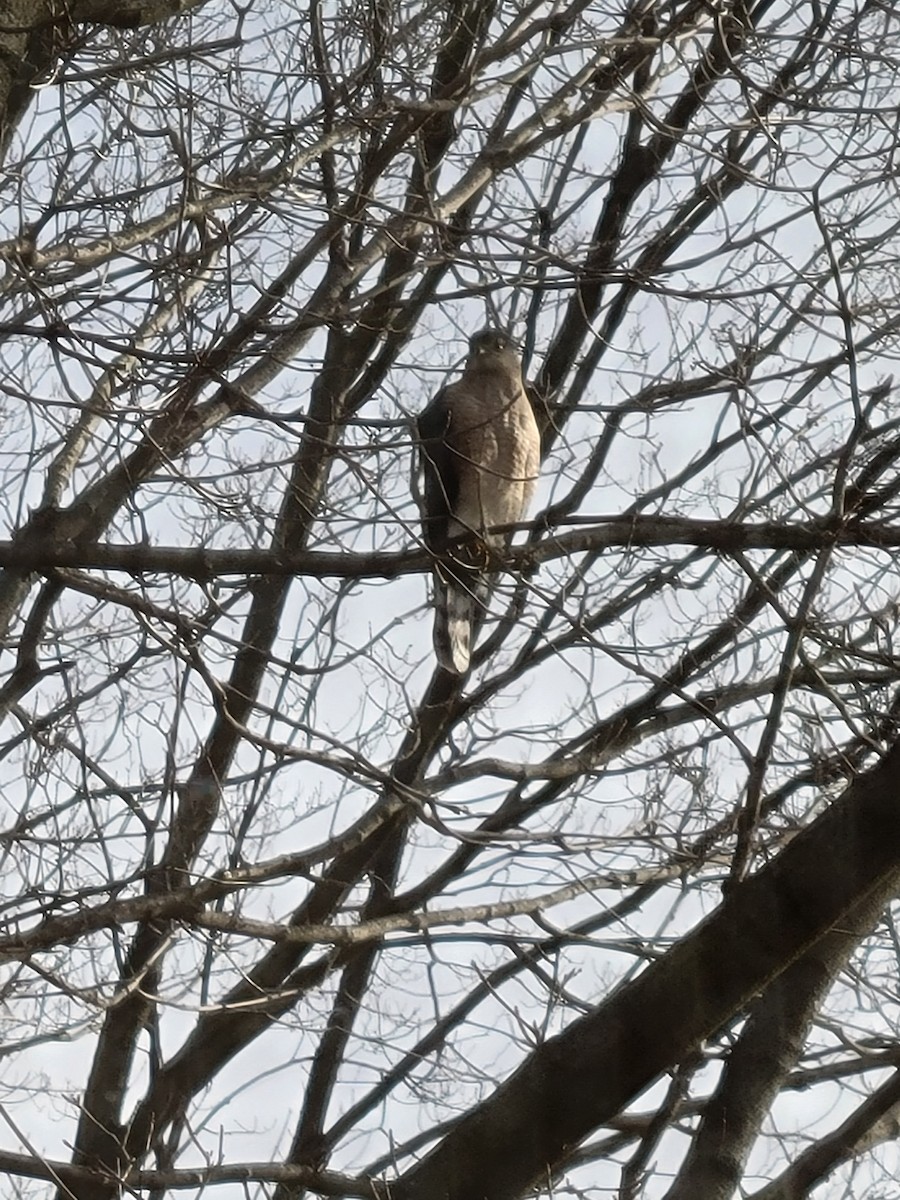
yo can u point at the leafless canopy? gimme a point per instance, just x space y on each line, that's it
288 910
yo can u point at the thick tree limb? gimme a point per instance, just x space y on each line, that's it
40 554
574 1082
323 1183
875 1121
129 14
766 1052
34 32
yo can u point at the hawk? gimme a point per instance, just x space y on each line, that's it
479 451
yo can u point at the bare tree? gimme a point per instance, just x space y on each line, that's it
287 908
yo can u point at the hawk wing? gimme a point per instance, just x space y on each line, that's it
459 590
440 489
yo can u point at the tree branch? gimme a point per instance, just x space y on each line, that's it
582 1077
602 533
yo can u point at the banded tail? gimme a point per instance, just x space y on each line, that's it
459 601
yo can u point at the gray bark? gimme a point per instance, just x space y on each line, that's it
576 1081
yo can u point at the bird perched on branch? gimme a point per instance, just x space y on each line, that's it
479 451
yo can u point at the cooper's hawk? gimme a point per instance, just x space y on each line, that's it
479 449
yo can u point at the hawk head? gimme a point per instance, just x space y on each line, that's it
492 347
